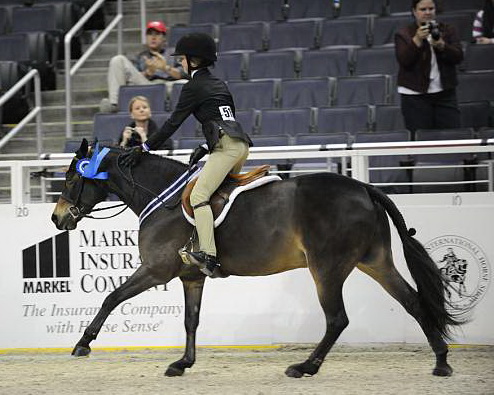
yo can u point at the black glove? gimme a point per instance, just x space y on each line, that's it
198 153
131 156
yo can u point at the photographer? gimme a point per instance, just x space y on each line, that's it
428 53
142 126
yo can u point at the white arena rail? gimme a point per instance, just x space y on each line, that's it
29 179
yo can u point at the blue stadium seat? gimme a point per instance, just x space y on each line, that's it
386 27
18 106
307 92
456 5
294 34
274 64
351 119
109 127
309 9
249 120
211 11
4 21
387 118
476 114
33 19
475 86
255 94
289 121
453 174
243 36
346 31
260 10
172 99
462 21
178 31
156 94
376 60
361 7
190 142
479 57
231 66
392 175
364 89
400 6
334 62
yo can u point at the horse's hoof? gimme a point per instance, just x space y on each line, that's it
80 351
443 371
294 372
173 371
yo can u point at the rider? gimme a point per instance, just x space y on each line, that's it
209 99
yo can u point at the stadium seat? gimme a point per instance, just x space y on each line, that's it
307 92
109 127
4 21
231 66
479 57
391 175
248 119
399 6
456 5
255 94
294 34
386 27
274 64
351 119
288 121
211 11
451 174
376 60
32 19
190 142
178 31
309 9
243 36
476 114
475 86
271 141
361 7
18 106
309 165
346 31
260 10
364 89
156 94
388 118
462 21
333 62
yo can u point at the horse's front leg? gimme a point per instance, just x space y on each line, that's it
193 296
140 281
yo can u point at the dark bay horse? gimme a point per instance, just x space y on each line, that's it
326 222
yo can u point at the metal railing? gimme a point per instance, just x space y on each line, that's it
22 171
70 71
35 112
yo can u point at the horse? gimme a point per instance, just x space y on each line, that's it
325 222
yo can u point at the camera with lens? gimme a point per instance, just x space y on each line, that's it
434 30
135 138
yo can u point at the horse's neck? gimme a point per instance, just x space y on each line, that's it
145 182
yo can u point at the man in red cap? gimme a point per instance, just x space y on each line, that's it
151 66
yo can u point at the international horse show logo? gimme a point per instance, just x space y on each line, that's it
464 267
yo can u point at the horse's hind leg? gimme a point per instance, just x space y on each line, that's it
382 269
330 296
140 281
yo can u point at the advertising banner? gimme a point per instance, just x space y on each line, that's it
53 283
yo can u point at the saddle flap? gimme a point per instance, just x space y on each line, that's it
221 195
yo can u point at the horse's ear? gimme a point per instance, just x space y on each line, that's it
82 151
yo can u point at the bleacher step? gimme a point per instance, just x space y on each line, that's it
89 97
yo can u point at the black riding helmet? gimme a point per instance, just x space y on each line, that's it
197 45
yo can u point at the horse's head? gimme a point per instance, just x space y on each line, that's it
82 190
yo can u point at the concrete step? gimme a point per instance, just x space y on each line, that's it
93 61
85 81
107 50
150 5
79 97
57 129
79 112
19 145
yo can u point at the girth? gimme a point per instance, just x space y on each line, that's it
220 197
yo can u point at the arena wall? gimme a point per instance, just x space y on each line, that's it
52 283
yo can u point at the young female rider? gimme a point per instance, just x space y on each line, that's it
209 99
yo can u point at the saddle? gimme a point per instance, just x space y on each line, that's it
221 196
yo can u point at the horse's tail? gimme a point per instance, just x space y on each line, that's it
430 283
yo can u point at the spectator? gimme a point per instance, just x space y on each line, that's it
142 126
427 54
483 25
151 66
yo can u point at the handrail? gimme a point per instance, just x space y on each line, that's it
35 112
69 72
143 21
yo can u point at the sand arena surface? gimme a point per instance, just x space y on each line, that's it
349 369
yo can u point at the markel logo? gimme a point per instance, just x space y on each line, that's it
465 268
45 263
